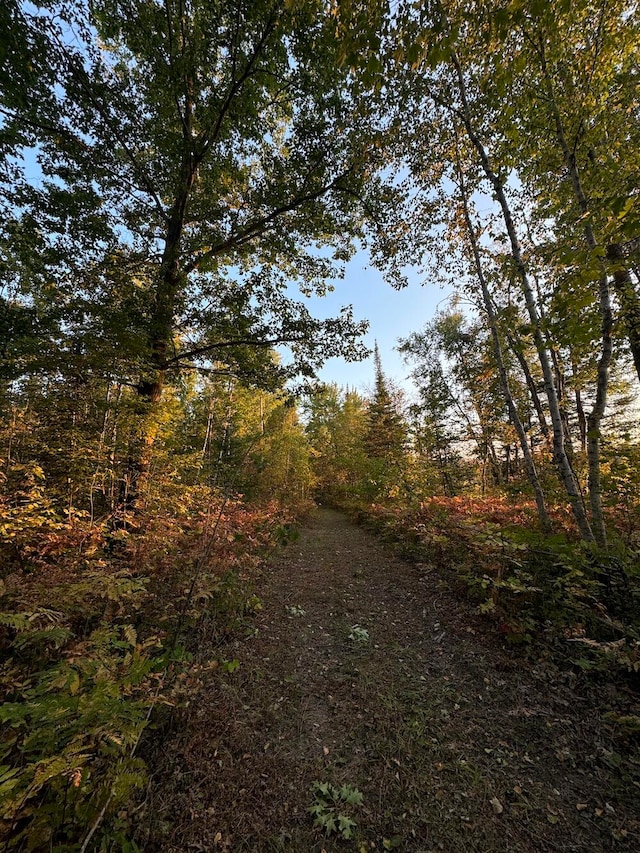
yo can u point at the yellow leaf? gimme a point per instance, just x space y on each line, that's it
74 683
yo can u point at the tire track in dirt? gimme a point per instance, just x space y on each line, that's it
455 744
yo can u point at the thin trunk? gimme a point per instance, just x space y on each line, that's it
582 418
12 430
442 465
531 385
558 371
101 444
562 401
628 299
594 419
113 438
471 433
562 461
225 439
498 355
207 436
495 464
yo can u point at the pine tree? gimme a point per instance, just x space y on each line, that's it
386 432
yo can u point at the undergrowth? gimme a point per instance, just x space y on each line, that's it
92 642
577 599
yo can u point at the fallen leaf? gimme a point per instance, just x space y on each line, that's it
496 805
325 750
582 806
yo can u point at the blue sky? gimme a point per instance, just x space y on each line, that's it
392 314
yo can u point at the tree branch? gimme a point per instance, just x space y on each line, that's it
251 342
259 226
76 70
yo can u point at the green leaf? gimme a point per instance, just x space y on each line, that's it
346 826
351 795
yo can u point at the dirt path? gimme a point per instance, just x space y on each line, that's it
454 743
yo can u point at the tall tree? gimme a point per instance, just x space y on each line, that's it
478 72
191 155
336 425
505 384
455 376
386 430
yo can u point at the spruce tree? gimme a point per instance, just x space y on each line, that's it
386 432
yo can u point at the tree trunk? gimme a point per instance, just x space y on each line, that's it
135 482
562 401
225 438
532 474
594 419
567 474
628 299
582 418
531 385
169 284
495 464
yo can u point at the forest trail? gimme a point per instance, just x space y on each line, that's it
455 743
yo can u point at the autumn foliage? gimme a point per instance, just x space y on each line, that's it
97 626
177 181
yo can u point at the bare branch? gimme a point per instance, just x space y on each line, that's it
252 342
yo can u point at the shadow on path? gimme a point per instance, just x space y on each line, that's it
365 671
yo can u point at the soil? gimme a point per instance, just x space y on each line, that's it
367 671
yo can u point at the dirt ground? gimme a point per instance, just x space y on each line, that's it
365 671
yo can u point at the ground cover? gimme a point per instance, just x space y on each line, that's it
93 621
369 707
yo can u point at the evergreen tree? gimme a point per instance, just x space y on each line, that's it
386 434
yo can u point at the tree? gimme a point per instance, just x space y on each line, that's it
386 433
336 426
505 384
455 378
434 426
473 87
193 157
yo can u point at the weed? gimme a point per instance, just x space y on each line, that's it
286 533
358 634
333 806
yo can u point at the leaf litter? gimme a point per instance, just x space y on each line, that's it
454 741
